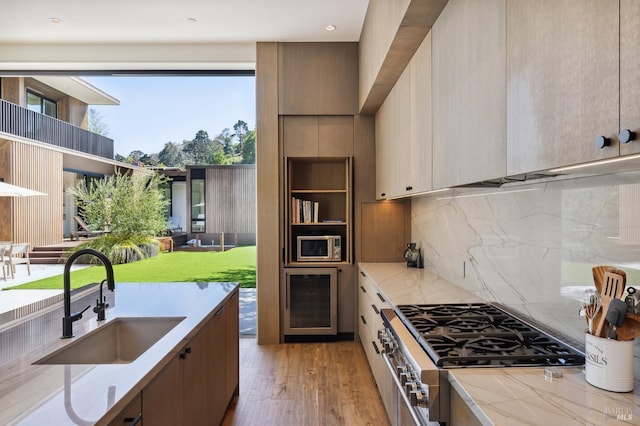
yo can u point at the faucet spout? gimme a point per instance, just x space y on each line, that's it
69 318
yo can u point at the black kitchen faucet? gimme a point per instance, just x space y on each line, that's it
69 318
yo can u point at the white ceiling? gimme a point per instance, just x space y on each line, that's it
160 34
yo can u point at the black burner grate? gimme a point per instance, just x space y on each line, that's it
462 335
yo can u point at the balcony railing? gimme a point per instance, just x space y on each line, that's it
20 121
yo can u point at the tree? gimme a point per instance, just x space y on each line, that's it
241 130
96 122
249 148
130 206
171 155
199 149
225 138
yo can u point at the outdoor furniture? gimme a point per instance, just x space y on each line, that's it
84 230
18 254
173 225
5 246
166 243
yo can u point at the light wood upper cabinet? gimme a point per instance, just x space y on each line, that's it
469 141
318 136
385 147
629 72
403 130
562 82
419 155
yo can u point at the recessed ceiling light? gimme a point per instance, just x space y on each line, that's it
330 28
56 21
192 20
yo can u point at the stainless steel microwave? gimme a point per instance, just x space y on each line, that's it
319 248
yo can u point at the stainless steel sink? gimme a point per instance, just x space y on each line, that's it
119 341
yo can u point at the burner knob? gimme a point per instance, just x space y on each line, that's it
389 346
401 369
410 387
382 334
404 378
417 398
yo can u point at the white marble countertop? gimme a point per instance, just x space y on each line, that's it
509 396
88 394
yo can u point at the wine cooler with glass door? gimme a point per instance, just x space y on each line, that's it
310 299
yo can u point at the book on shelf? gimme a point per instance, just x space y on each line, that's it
304 211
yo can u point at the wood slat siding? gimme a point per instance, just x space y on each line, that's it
231 199
37 220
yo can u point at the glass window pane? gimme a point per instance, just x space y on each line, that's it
50 108
34 102
197 205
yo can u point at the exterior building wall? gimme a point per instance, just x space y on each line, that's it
36 220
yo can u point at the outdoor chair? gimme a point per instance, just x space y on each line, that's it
5 246
84 230
18 254
173 225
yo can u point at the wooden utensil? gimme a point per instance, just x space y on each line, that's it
630 328
612 288
598 275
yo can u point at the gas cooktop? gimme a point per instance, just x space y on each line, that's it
478 334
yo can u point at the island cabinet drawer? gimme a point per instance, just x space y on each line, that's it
370 302
130 415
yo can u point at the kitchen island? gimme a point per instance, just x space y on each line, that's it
516 395
99 393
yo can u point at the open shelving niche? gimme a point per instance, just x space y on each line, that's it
326 181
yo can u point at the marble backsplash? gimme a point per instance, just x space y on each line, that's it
531 247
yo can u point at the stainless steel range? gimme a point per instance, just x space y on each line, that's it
422 341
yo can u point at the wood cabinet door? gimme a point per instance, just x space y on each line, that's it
419 161
401 139
217 366
300 136
335 136
629 75
162 398
385 149
197 385
562 82
468 47
318 78
232 346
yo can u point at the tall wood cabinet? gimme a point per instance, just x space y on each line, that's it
469 141
562 82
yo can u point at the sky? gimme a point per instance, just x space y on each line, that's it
155 110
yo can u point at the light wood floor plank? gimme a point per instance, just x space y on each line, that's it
323 384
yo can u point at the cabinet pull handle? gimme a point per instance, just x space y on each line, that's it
627 136
383 194
364 321
381 298
375 309
409 188
219 311
133 420
363 274
602 141
363 289
183 354
375 347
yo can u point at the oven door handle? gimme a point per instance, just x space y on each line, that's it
414 416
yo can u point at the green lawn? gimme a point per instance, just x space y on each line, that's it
236 265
